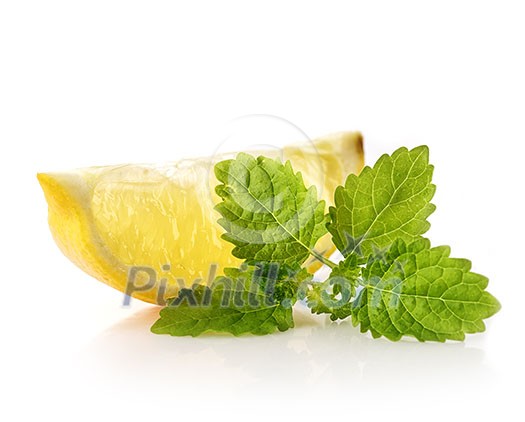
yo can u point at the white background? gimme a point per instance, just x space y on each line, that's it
100 82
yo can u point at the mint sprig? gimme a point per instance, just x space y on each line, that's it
391 282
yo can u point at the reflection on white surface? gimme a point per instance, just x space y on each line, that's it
306 361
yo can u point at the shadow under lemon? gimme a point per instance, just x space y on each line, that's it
316 356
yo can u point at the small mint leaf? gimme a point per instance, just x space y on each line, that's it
251 299
333 296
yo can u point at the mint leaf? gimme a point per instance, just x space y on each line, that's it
267 212
333 296
384 203
255 299
420 291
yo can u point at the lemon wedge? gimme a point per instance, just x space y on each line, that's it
148 230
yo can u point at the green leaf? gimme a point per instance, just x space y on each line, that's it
333 296
420 291
267 212
384 203
255 299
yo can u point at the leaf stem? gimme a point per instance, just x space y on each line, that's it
324 260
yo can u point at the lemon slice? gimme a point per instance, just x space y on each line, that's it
148 230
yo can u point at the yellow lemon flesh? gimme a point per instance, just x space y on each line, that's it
111 220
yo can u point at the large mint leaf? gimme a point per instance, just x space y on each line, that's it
384 203
267 212
255 299
420 291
